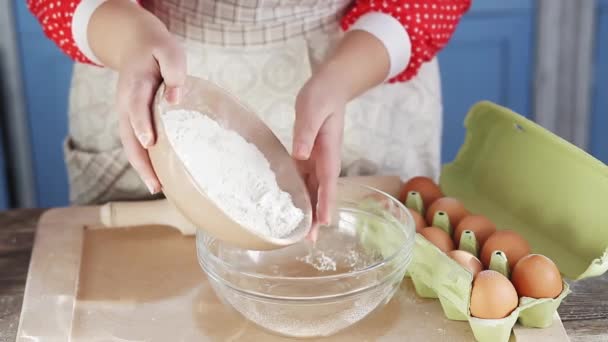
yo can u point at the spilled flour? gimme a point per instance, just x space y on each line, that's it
319 261
329 259
233 173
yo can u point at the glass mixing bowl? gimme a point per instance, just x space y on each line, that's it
313 290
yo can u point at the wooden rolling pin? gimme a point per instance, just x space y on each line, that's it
161 212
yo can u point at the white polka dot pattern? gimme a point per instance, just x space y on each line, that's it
429 23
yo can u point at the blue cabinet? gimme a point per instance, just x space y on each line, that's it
599 118
488 58
3 181
46 77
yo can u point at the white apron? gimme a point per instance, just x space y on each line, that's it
262 51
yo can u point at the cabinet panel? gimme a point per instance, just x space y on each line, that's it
599 118
488 58
46 78
3 181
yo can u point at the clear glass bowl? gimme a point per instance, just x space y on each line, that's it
307 290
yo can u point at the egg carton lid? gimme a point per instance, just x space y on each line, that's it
529 180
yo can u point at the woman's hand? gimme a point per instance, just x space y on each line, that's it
143 68
132 41
317 143
359 63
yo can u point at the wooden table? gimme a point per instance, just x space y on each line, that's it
584 312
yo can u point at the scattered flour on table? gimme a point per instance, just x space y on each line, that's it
233 173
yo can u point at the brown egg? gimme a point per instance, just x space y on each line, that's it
493 296
439 238
420 223
511 243
466 260
536 276
451 206
429 191
478 224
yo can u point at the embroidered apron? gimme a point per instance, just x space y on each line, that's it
263 51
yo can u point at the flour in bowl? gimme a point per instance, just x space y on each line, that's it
233 173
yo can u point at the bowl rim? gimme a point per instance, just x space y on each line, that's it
408 245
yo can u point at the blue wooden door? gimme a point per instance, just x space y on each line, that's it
3 181
599 118
488 58
46 76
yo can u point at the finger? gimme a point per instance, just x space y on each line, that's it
172 62
313 185
309 118
137 155
135 94
327 148
313 234
305 169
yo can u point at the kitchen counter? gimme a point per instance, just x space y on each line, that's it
584 313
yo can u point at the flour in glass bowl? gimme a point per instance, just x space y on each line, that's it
232 172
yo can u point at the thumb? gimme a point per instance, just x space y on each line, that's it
308 122
172 62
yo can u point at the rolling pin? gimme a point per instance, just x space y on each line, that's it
161 212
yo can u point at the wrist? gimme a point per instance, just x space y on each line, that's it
358 63
144 37
334 76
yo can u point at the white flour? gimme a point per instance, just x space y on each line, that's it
233 173
319 261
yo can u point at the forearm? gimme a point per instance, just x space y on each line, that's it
359 63
115 27
412 31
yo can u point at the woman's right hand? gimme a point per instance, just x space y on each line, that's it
132 41
143 68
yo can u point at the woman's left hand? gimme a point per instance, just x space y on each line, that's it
359 63
317 142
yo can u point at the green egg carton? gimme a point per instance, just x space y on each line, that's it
526 179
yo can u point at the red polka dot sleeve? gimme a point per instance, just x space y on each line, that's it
429 24
57 17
